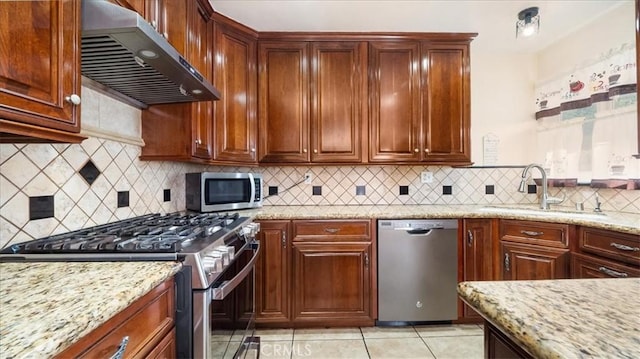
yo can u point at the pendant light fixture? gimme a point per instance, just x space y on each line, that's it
528 22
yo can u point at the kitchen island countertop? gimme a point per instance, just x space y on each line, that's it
615 221
45 307
567 318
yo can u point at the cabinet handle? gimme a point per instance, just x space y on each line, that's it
532 233
73 99
469 237
366 260
284 239
121 348
416 150
507 262
198 142
304 150
331 230
612 273
622 247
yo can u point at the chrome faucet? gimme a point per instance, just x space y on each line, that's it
545 200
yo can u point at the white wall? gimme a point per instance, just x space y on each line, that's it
501 103
588 42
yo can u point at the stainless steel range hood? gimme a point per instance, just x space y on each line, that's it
122 52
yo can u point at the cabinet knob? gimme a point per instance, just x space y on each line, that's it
253 150
198 142
154 24
416 150
304 150
165 35
73 99
315 151
426 150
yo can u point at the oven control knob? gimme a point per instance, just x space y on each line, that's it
230 251
212 264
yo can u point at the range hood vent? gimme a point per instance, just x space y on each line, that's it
124 53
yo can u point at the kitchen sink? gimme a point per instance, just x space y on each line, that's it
561 212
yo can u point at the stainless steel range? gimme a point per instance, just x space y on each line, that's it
218 250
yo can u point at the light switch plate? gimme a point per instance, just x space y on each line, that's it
426 177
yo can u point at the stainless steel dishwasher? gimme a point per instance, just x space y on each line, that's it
417 271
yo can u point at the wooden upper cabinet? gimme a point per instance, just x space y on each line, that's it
168 18
394 95
199 54
446 103
39 70
283 114
135 5
235 75
338 93
183 131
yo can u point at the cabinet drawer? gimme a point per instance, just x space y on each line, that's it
548 234
331 230
620 246
146 322
584 266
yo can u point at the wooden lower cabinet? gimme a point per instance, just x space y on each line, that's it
475 253
527 262
586 266
498 345
148 323
331 283
316 273
272 273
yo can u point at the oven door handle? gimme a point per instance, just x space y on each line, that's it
228 286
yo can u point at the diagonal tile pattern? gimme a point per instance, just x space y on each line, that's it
53 170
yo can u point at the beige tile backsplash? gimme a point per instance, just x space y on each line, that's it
52 170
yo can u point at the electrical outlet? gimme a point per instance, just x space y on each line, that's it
308 177
426 177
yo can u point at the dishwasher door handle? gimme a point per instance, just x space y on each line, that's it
417 231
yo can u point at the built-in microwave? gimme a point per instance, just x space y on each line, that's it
221 191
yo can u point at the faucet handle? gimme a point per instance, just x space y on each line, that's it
598 203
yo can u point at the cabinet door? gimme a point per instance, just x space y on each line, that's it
446 103
168 18
331 281
135 5
394 95
199 54
338 92
235 113
526 262
283 80
585 266
272 273
476 249
39 69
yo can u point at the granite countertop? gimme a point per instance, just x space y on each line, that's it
46 307
568 318
616 221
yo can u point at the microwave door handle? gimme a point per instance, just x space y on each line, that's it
253 189
228 287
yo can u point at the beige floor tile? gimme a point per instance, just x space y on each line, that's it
389 332
221 335
218 349
465 347
327 334
448 330
276 349
329 349
398 348
275 334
